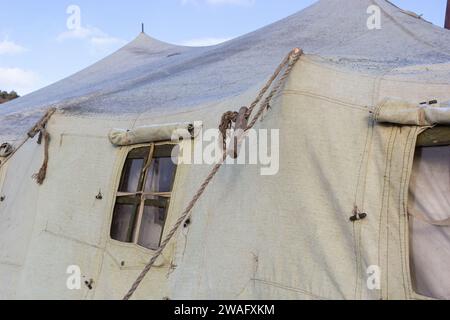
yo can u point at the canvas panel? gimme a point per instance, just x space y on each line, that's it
251 236
17 213
282 248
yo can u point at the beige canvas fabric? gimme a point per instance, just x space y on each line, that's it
287 236
160 132
403 112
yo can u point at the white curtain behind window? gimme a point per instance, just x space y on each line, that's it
430 244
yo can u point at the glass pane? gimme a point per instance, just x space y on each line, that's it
122 223
152 226
160 175
130 175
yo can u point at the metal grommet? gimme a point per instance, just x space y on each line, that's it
89 284
6 149
99 196
191 129
357 215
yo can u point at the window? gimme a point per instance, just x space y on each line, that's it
429 210
144 194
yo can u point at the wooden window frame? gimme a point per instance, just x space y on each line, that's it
140 197
434 137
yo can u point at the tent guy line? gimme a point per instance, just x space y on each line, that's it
288 62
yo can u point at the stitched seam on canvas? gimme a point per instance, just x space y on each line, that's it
382 203
410 291
403 186
387 210
282 286
325 98
357 231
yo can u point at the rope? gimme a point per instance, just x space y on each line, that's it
31 133
176 226
293 55
290 60
40 176
14 151
225 124
226 121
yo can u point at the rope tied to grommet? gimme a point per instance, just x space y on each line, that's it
241 118
38 128
226 123
6 149
227 120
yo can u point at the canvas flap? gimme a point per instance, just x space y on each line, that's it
406 113
153 133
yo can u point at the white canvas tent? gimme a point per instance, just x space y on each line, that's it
348 116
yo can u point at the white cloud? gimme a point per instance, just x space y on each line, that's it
220 2
20 80
78 33
99 41
204 42
10 48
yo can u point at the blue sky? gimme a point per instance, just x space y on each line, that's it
37 49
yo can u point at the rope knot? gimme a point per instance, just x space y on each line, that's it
227 120
295 55
226 123
240 120
43 135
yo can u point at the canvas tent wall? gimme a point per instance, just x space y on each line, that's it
295 240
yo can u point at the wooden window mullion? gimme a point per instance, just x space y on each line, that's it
142 182
140 212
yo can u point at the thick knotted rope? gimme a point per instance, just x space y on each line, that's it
40 176
226 121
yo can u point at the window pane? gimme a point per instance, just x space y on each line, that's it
160 175
122 224
130 175
152 225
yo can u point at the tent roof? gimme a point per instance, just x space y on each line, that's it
151 76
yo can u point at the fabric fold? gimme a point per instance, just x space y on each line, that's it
154 133
406 113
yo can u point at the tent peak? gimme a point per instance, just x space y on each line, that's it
143 40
